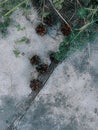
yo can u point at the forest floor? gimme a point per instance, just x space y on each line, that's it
68 101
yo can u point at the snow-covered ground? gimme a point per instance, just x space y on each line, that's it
69 100
16 70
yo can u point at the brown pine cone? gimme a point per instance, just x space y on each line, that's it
35 60
35 84
41 29
42 68
65 29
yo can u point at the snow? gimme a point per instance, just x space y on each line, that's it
16 72
69 100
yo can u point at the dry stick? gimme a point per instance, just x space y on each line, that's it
25 105
2 2
18 5
73 13
59 13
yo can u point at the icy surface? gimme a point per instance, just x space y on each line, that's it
69 100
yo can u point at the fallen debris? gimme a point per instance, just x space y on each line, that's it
41 29
35 60
65 29
35 84
42 68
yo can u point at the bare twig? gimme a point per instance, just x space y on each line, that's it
59 14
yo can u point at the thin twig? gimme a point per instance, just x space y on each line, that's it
10 11
43 10
59 14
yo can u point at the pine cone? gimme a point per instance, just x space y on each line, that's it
65 29
35 60
41 29
35 84
43 68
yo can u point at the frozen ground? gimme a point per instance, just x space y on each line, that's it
69 100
